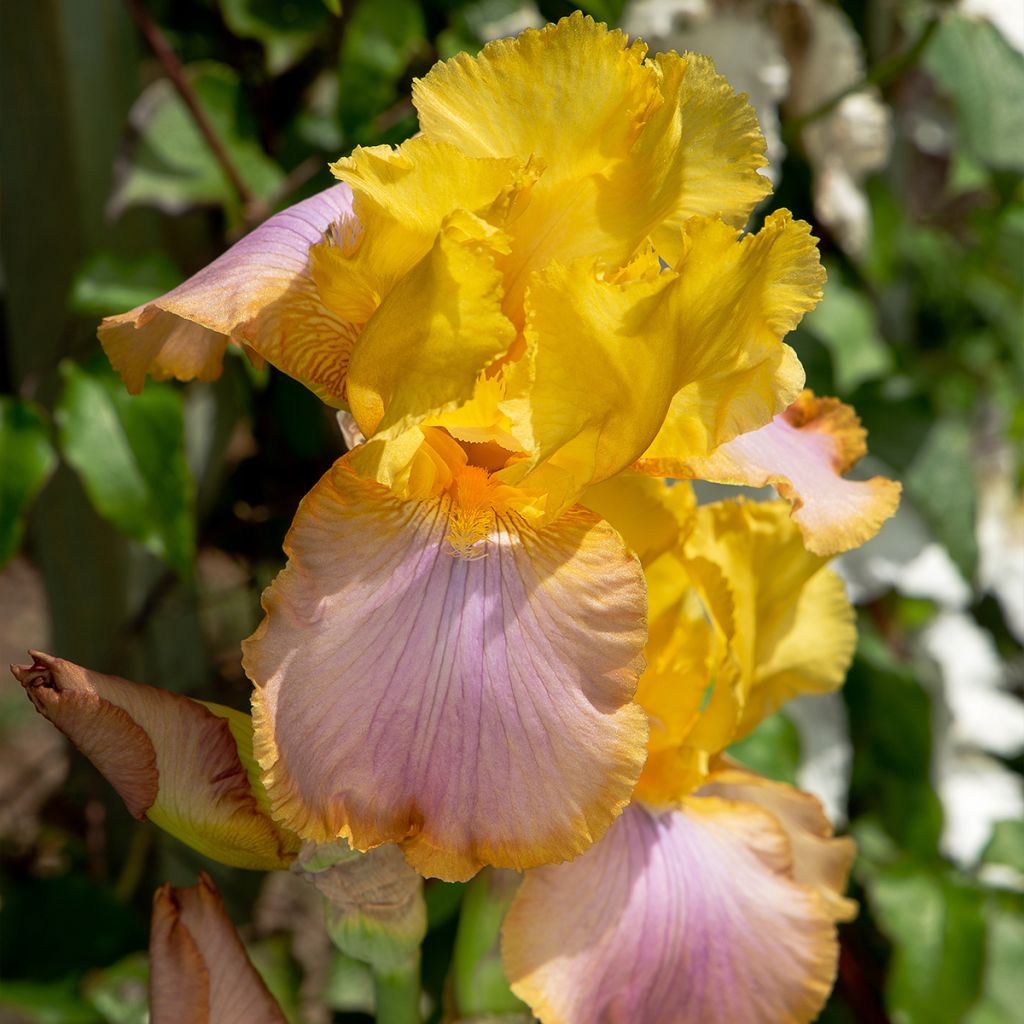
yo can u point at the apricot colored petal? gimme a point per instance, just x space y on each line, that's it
688 917
803 453
819 859
179 762
698 155
436 331
476 711
734 302
259 292
199 970
574 95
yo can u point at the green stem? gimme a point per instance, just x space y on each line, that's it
397 992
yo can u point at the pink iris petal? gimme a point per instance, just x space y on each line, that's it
184 333
803 452
688 917
478 710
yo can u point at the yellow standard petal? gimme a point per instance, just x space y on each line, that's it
736 301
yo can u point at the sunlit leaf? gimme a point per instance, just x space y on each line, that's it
27 459
130 454
1004 953
937 928
172 166
984 76
119 992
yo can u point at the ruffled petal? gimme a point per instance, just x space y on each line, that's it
791 627
259 292
199 970
819 859
435 333
689 917
476 710
803 453
402 197
185 765
734 302
698 155
573 95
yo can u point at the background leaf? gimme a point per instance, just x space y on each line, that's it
130 455
27 459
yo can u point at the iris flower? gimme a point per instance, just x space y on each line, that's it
713 897
544 289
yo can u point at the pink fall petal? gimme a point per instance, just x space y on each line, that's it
259 292
687 917
477 711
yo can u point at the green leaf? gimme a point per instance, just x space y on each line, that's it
608 11
120 992
287 30
937 928
984 76
380 41
1006 845
845 322
173 167
27 459
1004 954
940 482
772 749
129 452
27 1002
110 284
892 748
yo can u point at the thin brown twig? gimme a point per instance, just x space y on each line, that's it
157 41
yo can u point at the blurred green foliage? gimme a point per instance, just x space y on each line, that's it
164 519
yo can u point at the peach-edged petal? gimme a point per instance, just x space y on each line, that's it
819 859
199 970
804 452
260 292
475 710
687 917
185 765
735 301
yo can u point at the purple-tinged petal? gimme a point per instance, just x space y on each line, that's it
259 292
687 917
477 710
